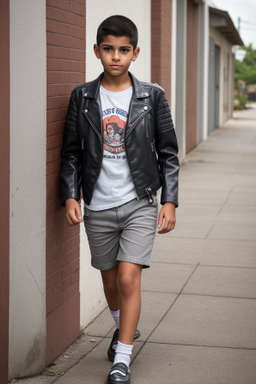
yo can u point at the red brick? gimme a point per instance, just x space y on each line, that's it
71 245
53 193
53 206
53 292
56 228
63 327
64 16
54 216
52 181
54 303
72 268
67 5
65 29
58 252
80 2
55 77
161 18
55 115
65 65
54 278
66 53
53 154
53 167
71 291
57 102
60 89
65 41
54 266
53 128
68 258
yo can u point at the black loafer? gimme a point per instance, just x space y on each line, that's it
119 374
111 350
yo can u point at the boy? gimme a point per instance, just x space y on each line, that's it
119 177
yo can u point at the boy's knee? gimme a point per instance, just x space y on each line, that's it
110 287
127 284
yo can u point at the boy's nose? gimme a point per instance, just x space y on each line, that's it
116 55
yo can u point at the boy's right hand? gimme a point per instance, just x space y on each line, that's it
73 212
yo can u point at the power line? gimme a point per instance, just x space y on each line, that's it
248 28
247 22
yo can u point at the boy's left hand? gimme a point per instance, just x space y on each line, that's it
167 218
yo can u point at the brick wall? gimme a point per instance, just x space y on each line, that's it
161 28
192 75
65 70
5 186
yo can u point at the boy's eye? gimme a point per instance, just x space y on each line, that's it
125 50
107 49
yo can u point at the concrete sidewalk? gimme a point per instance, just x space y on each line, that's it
198 321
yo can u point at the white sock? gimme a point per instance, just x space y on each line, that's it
123 353
116 317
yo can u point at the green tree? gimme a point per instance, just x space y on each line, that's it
245 70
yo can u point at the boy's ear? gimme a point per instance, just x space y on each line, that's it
96 51
135 53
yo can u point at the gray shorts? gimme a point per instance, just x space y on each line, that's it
124 233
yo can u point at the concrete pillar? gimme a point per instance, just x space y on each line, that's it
5 184
174 61
203 59
27 324
181 47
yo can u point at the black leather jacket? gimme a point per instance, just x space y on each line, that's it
150 143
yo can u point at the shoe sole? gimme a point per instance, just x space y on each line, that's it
117 382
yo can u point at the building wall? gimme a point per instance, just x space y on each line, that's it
65 70
161 37
92 296
181 75
203 68
192 76
27 323
5 189
226 70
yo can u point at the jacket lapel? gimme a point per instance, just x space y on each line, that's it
92 111
139 106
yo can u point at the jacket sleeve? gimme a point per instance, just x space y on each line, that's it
71 155
167 150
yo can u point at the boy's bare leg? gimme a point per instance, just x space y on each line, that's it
128 282
122 291
109 279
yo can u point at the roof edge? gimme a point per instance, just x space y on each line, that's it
228 30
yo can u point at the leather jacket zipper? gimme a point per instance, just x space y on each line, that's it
152 144
150 197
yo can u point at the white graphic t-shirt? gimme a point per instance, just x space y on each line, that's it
114 185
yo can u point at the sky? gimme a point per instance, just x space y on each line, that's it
246 10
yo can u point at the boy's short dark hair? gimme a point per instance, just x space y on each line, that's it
118 25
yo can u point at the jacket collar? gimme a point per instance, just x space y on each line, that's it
92 90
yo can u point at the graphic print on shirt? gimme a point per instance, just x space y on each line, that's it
114 185
113 133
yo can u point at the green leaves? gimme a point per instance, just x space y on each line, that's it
245 70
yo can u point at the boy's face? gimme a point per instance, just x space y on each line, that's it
116 54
